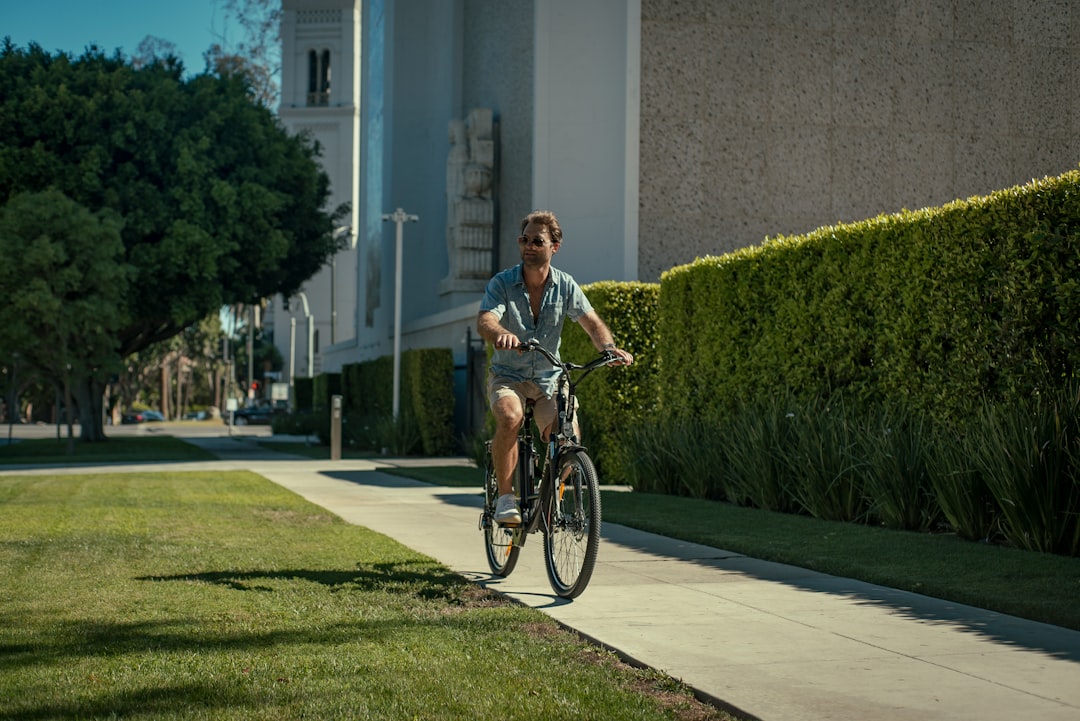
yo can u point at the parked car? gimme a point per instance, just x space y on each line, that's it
257 416
142 417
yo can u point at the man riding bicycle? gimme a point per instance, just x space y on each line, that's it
530 300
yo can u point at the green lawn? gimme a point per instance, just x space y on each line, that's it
220 595
124 449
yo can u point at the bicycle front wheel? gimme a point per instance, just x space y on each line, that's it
572 531
499 546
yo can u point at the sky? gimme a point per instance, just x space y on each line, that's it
72 25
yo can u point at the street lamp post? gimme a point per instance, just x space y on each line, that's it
292 344
292 354
399 217
342 231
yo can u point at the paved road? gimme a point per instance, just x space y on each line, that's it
774 642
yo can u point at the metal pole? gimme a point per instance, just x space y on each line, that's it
311 346
343 230
311 335
292 360
251 355
335 428
399 217
397 319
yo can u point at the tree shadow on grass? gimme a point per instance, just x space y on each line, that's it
426 580
440 600
144 703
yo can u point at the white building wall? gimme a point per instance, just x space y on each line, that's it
320 25
585 156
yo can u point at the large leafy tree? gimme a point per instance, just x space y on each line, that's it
63 283
219 203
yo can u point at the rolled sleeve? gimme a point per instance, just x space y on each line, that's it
494 300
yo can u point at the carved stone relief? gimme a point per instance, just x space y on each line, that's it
470 169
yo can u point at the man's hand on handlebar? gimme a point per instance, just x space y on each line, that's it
506 341
619 357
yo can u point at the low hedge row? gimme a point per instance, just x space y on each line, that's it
426 414
426 395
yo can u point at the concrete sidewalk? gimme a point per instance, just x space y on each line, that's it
766 640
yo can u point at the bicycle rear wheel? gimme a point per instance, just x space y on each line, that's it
502 554
572 531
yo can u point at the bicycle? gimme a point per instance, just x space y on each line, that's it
561 499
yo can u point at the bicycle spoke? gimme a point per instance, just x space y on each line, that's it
499 546
572 536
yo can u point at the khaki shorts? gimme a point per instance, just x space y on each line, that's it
545 411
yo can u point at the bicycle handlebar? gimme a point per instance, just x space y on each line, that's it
607 357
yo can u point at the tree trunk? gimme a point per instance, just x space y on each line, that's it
183 385
166 387
14 413
69 414
90 400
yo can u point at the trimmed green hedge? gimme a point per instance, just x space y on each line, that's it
935 310
368 387
615 398
326 386
427 400
304 388
427 389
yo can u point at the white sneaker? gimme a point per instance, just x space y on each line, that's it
506 510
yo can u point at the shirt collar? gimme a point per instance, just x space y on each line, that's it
519 275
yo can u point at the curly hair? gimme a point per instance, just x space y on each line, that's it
547 219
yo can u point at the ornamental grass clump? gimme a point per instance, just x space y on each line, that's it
697 449
894 447
1027 452
824 464
651 468
754 439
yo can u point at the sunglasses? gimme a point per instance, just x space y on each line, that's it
536 242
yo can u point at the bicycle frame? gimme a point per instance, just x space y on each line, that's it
563 500
562 440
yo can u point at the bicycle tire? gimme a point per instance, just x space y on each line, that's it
502 554
572 528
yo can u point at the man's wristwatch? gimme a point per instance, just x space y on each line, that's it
609 346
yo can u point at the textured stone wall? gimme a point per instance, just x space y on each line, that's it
497 73
764 118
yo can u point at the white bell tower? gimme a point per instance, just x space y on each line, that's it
320 94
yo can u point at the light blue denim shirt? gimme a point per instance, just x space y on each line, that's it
507 297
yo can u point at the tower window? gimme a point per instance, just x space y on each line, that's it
318 78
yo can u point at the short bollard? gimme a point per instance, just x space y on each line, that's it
335 428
